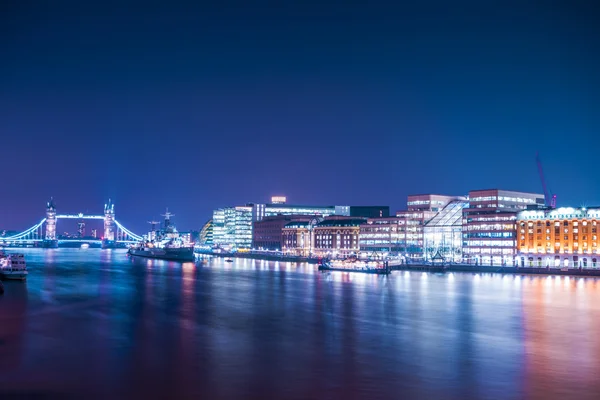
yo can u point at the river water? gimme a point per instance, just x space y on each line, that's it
96 324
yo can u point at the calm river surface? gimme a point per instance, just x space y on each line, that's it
97 324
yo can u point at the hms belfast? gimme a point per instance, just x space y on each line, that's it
165 244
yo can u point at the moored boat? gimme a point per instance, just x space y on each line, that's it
12 266
165 244
355 265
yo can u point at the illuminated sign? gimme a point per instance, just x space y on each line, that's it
278 200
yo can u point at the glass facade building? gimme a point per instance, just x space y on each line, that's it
421 208
232 227
442 235
206 234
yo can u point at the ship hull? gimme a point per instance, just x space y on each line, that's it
176 254
13 275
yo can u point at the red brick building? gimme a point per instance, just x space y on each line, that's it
267 233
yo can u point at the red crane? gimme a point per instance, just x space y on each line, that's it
549 199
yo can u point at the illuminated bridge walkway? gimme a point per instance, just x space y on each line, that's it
43 233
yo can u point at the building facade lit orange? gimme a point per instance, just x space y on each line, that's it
565 237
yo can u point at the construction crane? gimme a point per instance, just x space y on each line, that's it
549 198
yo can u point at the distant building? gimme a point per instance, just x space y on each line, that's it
267 233
206 234
186 236
261 211
218 228
232 227
370 211
489 225
297 237
564 237
278 200
380 235
420 209
337 236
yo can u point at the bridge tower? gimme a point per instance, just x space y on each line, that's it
50 238
50 220
109 222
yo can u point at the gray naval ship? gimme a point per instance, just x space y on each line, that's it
165 244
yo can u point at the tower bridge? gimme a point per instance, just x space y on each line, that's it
43 234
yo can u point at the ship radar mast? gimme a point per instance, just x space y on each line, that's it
167 216
153 225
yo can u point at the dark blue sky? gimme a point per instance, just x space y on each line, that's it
197 105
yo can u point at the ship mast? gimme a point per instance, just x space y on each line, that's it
167 216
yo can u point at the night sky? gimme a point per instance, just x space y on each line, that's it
195 105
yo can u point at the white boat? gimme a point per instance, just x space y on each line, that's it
85 246
12 266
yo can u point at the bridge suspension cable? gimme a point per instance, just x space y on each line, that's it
31 231
128 232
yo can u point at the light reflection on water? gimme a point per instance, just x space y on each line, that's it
96 323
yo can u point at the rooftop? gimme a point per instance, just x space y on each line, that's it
560 213
297 224
451 215
342 222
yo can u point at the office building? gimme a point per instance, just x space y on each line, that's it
369 211
560 238
218 228
489 225
232 227
381 235
261 211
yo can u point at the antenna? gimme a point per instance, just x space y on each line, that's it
167 216
549 199
153 224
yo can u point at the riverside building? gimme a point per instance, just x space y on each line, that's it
337 236
297 238
442 235
420 209
233 227
381 235
560 238
489 225
267 233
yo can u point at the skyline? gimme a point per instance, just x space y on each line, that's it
194 107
